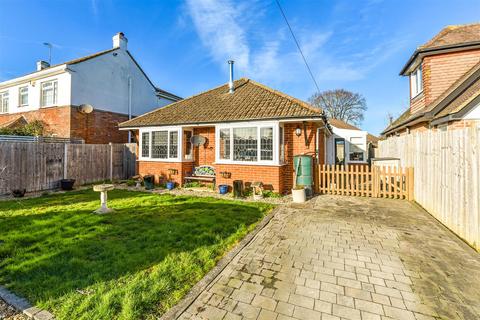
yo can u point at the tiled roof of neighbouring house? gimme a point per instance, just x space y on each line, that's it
454 99
344 125
451 38
14 123
452 35
250 101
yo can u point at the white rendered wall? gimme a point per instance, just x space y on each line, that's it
473 114
346 134
103 83
34 84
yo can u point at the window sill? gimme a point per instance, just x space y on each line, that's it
252 163
417 96
160 160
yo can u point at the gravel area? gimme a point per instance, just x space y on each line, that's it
7 312
206 192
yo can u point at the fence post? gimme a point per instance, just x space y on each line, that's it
65 161
111 161
410 184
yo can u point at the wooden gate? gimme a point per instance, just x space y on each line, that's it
366 181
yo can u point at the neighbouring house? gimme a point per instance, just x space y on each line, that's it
444 83
247 131
62 96
349 144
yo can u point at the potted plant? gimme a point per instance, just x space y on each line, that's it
67 184
298 194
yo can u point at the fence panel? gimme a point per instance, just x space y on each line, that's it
447 175
41 166
365 181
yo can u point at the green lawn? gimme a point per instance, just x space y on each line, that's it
132 264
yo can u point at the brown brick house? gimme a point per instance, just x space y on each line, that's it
83 98
251 134
444 82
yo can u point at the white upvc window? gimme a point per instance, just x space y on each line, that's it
248 143
23 96
356 150
159 144
416 81
48 93
4 102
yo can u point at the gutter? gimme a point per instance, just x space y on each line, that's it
438 50
200 124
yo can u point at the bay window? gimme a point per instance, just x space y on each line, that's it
146 144
160 144
248 144
245 144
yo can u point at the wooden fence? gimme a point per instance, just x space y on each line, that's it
447 175
366 181
41 166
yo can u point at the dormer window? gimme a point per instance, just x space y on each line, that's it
416 82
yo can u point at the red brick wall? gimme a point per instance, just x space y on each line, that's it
98 126
161 170
67 122
205 155
56 119
278 178
442 70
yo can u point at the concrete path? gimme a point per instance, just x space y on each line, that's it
347 258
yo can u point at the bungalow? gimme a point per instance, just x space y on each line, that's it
444 83
244 130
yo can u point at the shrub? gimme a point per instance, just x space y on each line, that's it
34 128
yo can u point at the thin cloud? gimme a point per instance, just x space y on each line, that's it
230 30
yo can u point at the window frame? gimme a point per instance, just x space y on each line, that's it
416 81
360 146
55 93
169 130
7 109
274 125
20 104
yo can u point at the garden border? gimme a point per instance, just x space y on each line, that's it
24 306
178 309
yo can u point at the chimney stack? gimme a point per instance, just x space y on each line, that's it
230 82
42 65
120 41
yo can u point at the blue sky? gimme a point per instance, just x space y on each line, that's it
183 45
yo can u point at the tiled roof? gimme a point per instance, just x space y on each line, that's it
344 125
452 35
250 101
454 38
341 124
14 123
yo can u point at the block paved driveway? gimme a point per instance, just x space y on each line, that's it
347 258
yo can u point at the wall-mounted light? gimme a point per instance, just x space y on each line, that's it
298 131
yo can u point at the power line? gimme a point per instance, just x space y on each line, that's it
298 46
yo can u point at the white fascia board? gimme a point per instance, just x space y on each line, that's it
34 76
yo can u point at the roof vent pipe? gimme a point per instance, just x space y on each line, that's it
230 82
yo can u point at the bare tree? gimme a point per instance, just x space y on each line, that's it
341 104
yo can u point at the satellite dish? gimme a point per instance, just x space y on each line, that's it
198 140
85 108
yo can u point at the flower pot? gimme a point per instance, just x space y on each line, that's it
18 193
67 184
148 181
298 195
223 189
170 185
